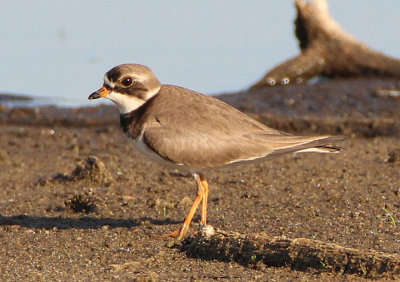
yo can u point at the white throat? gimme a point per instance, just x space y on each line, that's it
128 103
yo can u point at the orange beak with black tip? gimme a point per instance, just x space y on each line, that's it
101 93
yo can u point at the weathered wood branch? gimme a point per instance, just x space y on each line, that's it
299 254
327 50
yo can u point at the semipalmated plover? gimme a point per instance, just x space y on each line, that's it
193 132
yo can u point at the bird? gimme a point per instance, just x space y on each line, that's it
193 132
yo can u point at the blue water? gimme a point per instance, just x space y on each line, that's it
61 49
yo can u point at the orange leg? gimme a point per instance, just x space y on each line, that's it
202 194
204 183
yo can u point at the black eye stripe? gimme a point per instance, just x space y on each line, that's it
137 89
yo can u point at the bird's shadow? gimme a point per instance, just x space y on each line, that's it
85 222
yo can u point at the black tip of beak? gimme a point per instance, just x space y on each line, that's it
94 95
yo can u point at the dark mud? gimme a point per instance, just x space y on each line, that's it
361 107
57 222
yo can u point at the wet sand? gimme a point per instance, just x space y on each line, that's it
61 224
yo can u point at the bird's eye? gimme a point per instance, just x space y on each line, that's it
127 81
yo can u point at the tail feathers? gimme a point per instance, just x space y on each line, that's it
319 144
321 149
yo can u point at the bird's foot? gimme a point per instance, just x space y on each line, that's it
177 234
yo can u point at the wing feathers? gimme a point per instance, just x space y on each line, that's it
211 133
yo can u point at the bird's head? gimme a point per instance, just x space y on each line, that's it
129 86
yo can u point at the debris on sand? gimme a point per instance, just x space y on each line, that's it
91 169
81 203
301 254
394 156
327 51
387 93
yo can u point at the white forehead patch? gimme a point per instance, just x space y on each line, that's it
108 82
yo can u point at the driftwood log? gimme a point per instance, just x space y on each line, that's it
328 51
301 254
